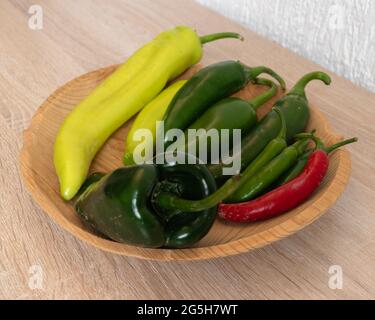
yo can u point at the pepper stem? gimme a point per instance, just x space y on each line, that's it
170 201
299 87
301 145
265 96
320 145
340 144
282 132
221 35
252 73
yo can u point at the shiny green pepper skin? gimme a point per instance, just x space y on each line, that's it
120 205
296 112
208 86
269 173
230 113
117 207
295 170
193 182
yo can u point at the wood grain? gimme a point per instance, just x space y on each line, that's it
224 239
80 36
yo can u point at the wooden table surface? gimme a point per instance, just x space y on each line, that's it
40 260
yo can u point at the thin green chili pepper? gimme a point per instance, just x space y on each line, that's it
296 169
269 173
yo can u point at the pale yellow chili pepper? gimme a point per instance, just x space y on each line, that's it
119 97
146 119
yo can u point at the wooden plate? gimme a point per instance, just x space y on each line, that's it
223 239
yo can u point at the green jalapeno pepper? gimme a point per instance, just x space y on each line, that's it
296 111
229 113
206 87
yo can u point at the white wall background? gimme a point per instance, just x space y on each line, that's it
339 35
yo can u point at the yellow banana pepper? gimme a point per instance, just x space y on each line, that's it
146 119
119 97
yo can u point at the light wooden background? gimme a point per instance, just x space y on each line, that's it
79 36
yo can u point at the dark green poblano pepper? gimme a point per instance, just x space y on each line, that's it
119 205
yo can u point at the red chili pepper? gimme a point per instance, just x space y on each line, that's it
287 196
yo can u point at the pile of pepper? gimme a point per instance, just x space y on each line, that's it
174 205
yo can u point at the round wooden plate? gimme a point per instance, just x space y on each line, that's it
223 239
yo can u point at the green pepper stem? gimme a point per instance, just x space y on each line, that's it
252 73
221 35
299 87
265 96
170 201
282 132
301 145
320 145
303 140
340 144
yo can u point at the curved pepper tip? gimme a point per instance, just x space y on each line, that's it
325 78
67 193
